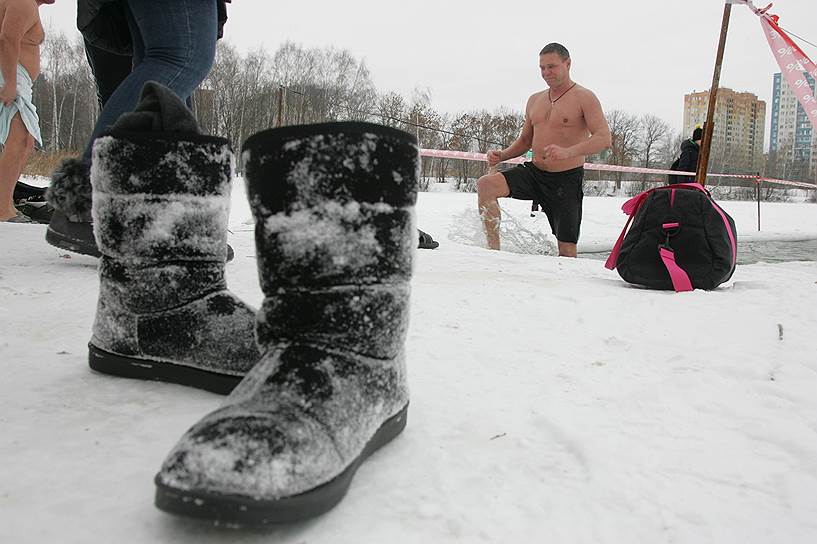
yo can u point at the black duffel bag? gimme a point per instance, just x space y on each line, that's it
680 239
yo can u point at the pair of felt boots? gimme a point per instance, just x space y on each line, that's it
317 374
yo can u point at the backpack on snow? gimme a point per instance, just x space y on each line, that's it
680 239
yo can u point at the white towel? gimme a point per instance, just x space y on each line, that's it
22 104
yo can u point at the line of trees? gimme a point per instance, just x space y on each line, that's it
246 93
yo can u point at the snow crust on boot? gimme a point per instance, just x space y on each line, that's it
335 236
160 212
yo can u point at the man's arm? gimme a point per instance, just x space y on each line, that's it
19 17
600 138
519 146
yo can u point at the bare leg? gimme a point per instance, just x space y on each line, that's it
15 154
566 249
489 188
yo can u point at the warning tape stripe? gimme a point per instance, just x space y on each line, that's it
471 156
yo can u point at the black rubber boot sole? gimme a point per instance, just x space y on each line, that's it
69 243
239 511
146 369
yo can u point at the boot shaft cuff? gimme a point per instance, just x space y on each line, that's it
300 166
160 197
157 163
333 204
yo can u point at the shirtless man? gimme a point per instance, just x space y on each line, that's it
21 34
562 125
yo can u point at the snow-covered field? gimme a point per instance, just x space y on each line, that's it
551 402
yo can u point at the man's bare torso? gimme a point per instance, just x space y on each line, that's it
32 38
561 123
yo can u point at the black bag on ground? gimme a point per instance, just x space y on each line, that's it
680 239
426 241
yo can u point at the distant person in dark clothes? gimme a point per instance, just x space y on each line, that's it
689 157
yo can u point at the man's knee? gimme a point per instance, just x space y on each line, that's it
492 186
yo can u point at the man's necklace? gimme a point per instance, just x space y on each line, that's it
560 96
553 102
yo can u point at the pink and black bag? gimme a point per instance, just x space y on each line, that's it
680 239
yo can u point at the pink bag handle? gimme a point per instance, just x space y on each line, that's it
680 280
629 208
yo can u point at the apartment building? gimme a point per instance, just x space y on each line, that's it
737 141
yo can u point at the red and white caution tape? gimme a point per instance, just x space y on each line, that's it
470 156
802 184
794 63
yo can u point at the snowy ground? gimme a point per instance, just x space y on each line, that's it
551 402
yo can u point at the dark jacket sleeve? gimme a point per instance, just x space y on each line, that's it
103 24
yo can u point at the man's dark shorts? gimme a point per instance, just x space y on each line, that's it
559 193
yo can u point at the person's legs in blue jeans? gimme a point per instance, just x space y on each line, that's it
174 45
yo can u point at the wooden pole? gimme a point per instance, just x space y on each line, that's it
706 144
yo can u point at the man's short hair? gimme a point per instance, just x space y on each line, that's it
557 48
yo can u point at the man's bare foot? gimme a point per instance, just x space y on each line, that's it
6 214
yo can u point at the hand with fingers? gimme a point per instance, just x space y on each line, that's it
494 157
557 153
8 94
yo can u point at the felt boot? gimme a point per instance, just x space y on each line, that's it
335 237
160 209
69 194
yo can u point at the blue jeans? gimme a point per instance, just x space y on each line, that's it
174 45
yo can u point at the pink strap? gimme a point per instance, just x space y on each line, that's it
680 280
629 207
632 205
696 186
610 263
729 232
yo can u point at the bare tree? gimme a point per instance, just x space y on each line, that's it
624 129
56 54
241 96
653 131
392 110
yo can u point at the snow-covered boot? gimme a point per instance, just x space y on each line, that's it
160 208
69 194
335 237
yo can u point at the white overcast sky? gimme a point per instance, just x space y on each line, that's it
640 56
